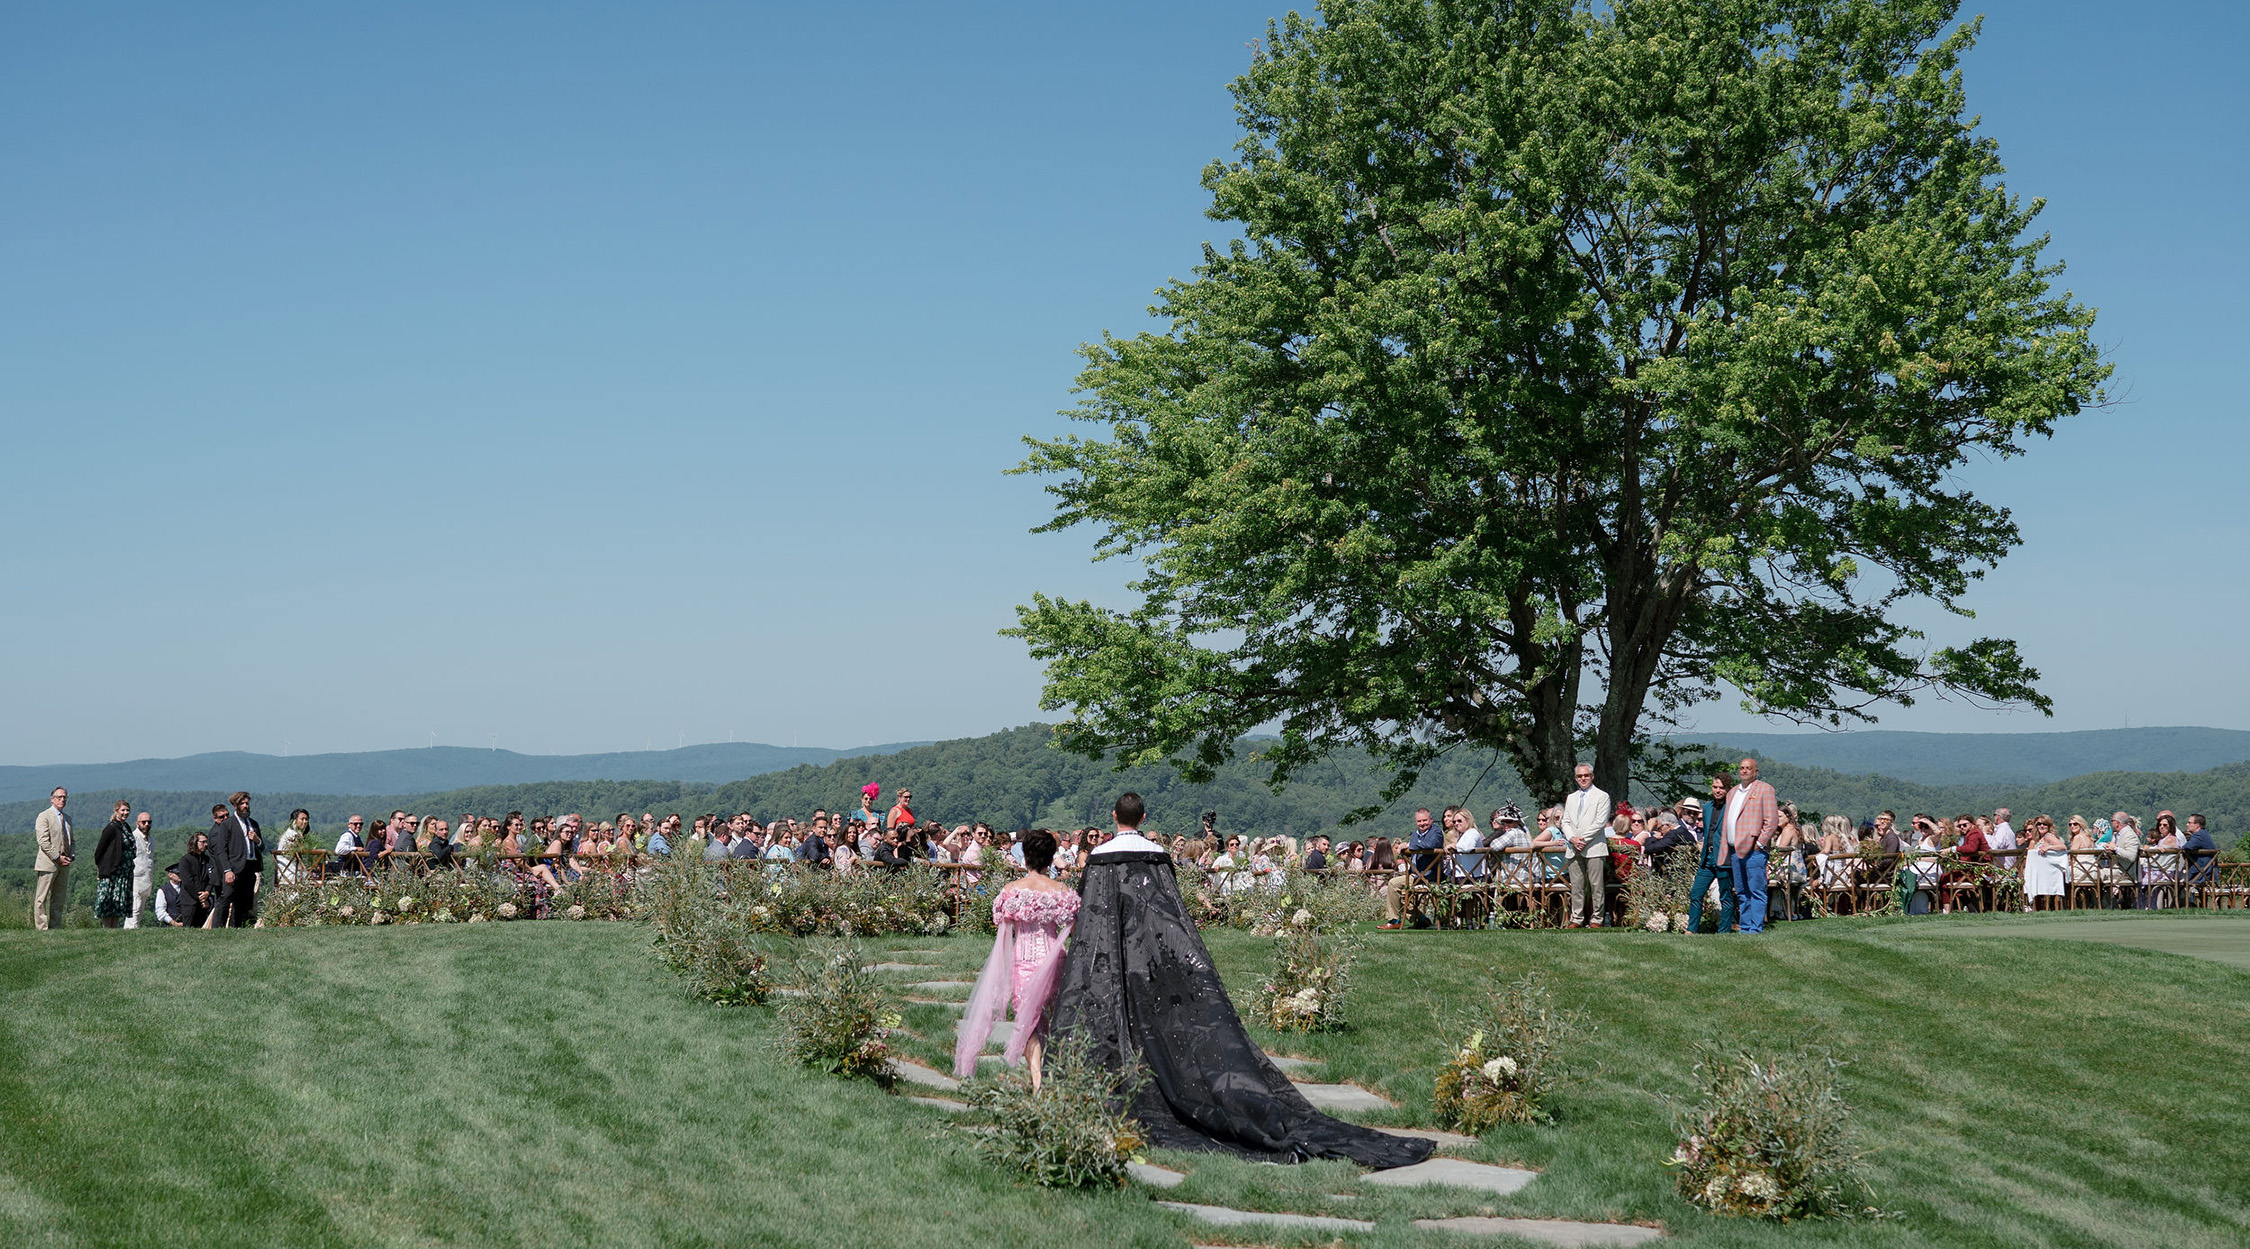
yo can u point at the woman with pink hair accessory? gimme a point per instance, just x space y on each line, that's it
868 793
1033 916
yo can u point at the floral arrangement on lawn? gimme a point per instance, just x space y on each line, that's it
400 895
1505 1067
1770 1138
1656 899
1068 1134
1311 975
841 1017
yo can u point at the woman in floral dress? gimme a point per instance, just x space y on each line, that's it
1033 916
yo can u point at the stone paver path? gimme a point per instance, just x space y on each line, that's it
916 1073
1444 1140
1291 1064
900 966
943 984
1453 1173
1342 1097
937 1001
1548 1231
1220 1216
1155 1176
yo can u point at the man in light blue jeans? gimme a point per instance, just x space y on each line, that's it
1746 826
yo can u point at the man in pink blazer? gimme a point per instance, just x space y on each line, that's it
1746 827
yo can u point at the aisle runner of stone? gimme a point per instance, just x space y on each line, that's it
1447 1172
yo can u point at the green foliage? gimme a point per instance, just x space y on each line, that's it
400 895
1068 1134
1658 900
721 961
840 1017
865 903
1311 978
1576 360
1770 1138
1506 1063
1335 900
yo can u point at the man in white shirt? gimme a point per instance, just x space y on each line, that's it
1585 830
144 868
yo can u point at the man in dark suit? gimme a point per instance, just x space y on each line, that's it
238 852
1708 871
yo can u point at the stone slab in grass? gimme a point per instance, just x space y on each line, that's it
943 984
1443 1140
946 1104
916 1073
1155 1176
1291 1064
1220 1216
1343 1097
1548 1231
1453 1173
900 966
938 1001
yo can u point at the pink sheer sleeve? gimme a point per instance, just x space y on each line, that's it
986 1001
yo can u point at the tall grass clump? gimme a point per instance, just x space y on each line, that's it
841 1017
1507 1060
1769 1138
721 960
1068 1134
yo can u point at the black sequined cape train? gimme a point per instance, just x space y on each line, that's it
1138 982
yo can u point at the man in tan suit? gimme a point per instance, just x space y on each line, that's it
52 833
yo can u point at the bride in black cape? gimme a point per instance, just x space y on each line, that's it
1137 983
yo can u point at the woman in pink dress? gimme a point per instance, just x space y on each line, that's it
1033 915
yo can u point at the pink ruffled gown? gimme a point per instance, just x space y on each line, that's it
1026 962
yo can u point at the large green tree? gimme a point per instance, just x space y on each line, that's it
1575 363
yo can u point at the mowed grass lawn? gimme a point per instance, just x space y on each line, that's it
548 1084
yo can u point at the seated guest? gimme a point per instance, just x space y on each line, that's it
1511 842
1924 866
1838 843
2160 864
197 883
2123 868
173 903
1316 853
745 843
2046 864
1672 834
2201 853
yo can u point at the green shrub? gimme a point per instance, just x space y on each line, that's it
1657 899
1335 901
1069 1134
1769 1138
840 1018
1310 980
866 903
1505 1066
720 960
596 894
467 894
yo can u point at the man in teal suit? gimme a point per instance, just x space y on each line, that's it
1708 871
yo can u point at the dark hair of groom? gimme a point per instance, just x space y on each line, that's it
1129 811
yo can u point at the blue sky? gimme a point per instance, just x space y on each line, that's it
583 377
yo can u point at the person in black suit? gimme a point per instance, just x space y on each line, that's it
238 850
197 889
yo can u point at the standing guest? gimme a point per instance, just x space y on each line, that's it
113 868
198 886
2046 864
144 866
172 903
237 852
902 813
1710 873
286 869
51 858
2002 837
1746 830
868 795
1585 833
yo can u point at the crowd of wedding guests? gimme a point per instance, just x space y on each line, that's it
1752 854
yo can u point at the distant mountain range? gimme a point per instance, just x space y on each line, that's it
422 771
1996 758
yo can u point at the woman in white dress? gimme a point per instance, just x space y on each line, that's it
2046 866
1838 842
